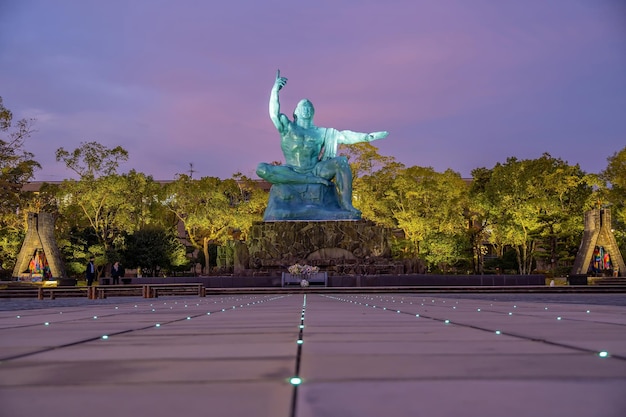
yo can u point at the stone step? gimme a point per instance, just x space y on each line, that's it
611 281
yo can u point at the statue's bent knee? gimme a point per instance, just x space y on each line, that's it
342 161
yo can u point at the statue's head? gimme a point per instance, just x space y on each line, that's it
304 110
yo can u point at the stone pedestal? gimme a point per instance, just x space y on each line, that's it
277 245
305 202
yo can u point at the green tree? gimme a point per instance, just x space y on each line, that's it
372 194
479 218
428 207
206 208
155 250
17 167
112 206
614 193
528 203
249 203
373 175
92 159
364 158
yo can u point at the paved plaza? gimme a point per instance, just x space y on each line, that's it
400 355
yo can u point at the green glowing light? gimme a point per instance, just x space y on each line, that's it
188 318
46 324
417 315
498 332
295 381
603 354
302 326
105 337
447 322
158 325
300 341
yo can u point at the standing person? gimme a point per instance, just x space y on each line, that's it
90 271
116 273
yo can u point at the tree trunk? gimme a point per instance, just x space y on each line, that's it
205 250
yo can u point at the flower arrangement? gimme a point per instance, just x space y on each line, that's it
303 270
298 269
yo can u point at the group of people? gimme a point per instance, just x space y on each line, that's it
91 272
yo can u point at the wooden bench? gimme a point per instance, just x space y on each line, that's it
19 292
156 290
54 292
103 291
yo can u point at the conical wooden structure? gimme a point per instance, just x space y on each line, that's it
39 258
598 251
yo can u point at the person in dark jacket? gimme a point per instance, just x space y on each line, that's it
116 273
90 271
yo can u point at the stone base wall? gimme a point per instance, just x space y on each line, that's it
273 245
360 281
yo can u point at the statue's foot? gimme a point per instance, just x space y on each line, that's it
356 212
350 208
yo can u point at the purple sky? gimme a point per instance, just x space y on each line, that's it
458 84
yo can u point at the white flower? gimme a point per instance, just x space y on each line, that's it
304 283
298 269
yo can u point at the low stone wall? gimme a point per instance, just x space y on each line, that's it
358 280
273 245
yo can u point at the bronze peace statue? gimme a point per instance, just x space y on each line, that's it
315 183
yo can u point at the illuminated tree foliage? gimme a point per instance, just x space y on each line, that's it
155 250
250 204
17 167
206 208
429 207
92 159
615 193
101 208
373 176
523 203
112 207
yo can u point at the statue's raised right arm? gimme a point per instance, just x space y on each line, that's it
279 119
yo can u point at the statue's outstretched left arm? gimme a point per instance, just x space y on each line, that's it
347 137
333 138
